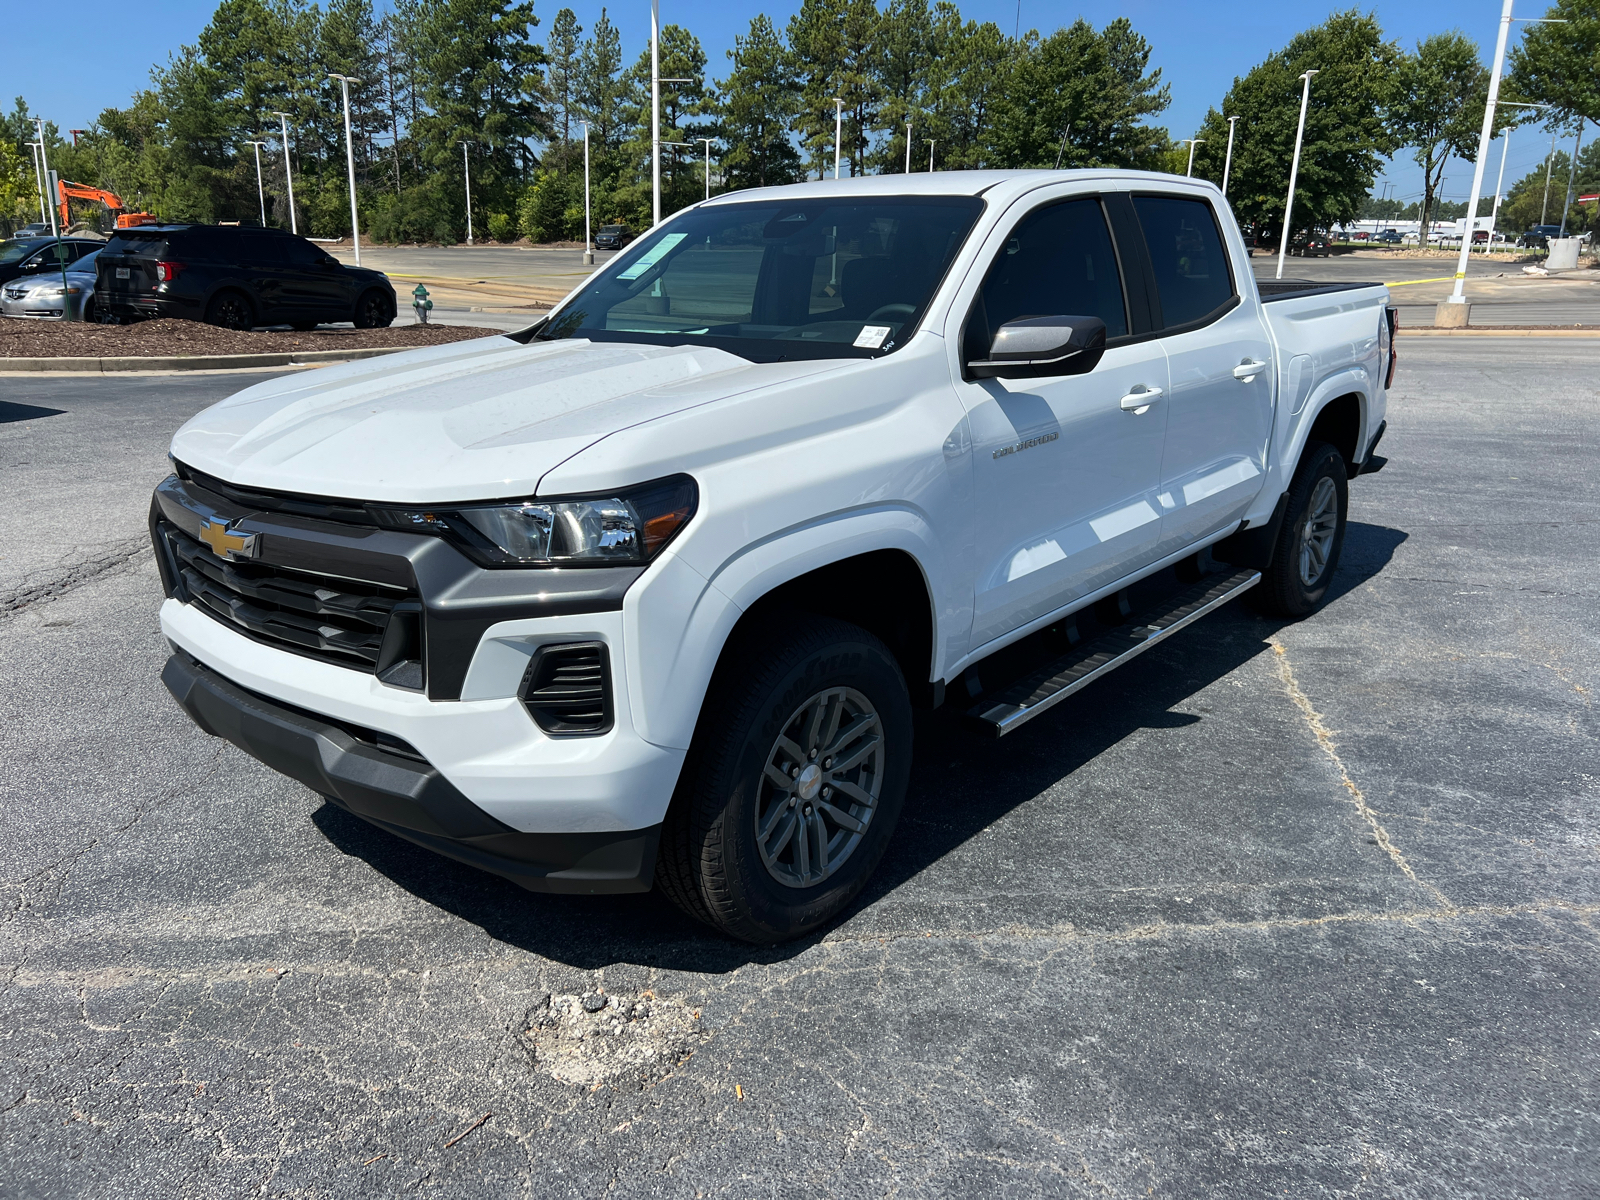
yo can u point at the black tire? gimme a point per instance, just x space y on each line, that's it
373 310
231 310
91 315
710 862
1296 583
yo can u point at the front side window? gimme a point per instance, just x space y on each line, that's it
1058 262
1191 266
772 281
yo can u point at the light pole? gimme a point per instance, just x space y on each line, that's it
838 134
1193 142
588 242
1549 166
1565 208
908 147
350 160
466 174
44 159
1294 170
1062 148
261 195
930 154
655 113
1485 136
1227 164
708 142
288 176
1500 182
39 178
61 261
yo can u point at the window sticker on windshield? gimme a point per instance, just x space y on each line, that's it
652 256
871 336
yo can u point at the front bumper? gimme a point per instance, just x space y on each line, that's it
405 794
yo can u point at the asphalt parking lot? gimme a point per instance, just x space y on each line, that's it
1303 910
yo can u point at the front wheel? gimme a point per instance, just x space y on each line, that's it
373 310
794 783
1311 537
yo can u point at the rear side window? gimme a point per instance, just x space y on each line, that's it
1058 262
298 252
1186 253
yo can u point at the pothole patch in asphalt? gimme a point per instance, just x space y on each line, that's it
594 1038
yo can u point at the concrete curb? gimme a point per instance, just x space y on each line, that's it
191 362
1496 331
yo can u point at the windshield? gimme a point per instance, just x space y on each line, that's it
773 281
10 252
612 228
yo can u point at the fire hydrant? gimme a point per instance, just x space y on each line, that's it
421 304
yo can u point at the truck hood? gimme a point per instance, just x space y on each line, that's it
476 420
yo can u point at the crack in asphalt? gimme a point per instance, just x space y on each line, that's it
65 577
1319 729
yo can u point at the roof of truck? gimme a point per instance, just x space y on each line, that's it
946 183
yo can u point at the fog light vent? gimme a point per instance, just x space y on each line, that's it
567 688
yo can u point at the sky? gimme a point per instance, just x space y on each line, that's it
1200 48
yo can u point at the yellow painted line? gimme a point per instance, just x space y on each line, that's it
1409 282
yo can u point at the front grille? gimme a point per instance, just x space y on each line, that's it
340 621
567 689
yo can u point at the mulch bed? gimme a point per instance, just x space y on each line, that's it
53 339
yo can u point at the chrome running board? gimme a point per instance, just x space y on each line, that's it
1048 686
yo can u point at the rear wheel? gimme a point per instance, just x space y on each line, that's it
231 310
1311 537
794 783
373 310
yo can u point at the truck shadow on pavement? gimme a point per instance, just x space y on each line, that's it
962 782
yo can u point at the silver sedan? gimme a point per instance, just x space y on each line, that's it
43 297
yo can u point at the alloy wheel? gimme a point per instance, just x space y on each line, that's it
820 787
1317 531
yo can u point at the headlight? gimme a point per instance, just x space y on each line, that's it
71 290
624 528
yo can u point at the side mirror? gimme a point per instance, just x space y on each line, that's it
1037 346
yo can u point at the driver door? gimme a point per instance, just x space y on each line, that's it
1065 470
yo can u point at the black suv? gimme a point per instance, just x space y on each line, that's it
612 237
30 256
236 277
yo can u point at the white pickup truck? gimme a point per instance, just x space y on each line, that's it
646 594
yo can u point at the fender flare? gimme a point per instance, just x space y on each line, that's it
676 621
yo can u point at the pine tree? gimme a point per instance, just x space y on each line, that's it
563 50
760 98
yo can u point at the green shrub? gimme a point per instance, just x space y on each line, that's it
502 228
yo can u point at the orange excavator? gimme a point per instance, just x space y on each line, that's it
82 191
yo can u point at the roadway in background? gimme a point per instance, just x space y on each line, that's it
1304 909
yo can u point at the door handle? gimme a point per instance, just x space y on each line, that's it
1248 370
1138 402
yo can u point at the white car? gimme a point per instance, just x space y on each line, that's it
48 297
646 594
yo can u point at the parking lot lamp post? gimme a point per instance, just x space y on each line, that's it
1500 183
288 176
1193 142
466 174
1294 169
1227 163
588 241
350 160
838 134
55 227
1549 166
1485 136
39 178
708 142
908 147
930 155
655 113
1565 208
261 194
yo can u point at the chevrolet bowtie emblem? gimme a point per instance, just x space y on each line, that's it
227 543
